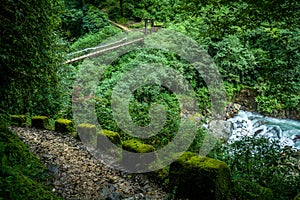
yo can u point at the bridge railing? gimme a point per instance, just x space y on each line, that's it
88 52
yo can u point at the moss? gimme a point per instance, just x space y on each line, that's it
114 137
199 177
40 122
297 197
137 147
19 120
161 176
63 125
87 133
138 159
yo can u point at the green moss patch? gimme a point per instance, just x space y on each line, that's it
63 125
199 177
41 122
114 137
87 133
137 147
135 156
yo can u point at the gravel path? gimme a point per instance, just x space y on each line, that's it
78 175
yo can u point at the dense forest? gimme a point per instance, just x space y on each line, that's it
254 44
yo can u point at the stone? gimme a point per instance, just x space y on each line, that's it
41 122
63 125
114 137
140 160
87 133
18 120
199 178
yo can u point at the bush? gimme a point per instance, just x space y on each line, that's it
94 39
261 169
22 174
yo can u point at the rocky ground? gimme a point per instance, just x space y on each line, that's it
78 175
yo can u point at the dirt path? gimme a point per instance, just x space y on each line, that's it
77 175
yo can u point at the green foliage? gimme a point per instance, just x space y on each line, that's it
94 20
81 19
22 175
252 45
261 169
30 56
94 39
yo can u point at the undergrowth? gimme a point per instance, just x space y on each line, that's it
22 174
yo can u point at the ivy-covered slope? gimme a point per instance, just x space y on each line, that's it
22 174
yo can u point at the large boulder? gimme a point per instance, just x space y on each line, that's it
197 177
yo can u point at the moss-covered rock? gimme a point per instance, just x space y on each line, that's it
41 122
199 177
160 176
138 159
19 120
63 125
87 133
114 137
137 146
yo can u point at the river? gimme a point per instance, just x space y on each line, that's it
255 125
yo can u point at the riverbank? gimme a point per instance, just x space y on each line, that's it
246 99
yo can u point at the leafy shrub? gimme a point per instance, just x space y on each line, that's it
94 20
22 174
94 39
261 169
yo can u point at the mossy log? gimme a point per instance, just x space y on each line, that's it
19 120
41 122
63 125
199 178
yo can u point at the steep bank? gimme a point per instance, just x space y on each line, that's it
246 98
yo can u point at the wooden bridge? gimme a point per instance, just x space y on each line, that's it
79 55
101 49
